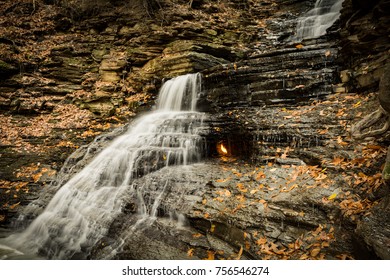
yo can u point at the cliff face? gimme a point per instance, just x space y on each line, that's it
364 43
71 71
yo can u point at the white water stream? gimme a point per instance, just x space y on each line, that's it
316 21
83 209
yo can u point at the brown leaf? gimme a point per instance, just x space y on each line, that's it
304 257
14 205
315 252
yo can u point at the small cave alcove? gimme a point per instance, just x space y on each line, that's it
229 141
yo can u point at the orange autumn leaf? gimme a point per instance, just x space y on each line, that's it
197 235
247 245
315 252
190 252
210 255
14 205
223 180
337 161
260 175
240 253
261 241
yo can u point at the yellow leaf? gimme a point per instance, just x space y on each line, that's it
204 201
190 252
332 196
304 257
219 199
299 46
315 252
212 228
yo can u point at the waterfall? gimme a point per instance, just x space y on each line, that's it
82 210
316 21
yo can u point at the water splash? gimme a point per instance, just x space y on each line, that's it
316 21
82 210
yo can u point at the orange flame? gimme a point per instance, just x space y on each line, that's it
223 149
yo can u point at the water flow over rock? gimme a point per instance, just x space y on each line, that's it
83 209
316 21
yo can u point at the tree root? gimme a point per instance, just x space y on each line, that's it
357 130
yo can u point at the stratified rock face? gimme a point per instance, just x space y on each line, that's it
365 41
279 105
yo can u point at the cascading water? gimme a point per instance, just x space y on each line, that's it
316 21
81 212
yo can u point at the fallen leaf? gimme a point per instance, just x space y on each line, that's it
254 191
304 257
261 241
315 252
210 255
190 252
337 161
299 46
260 175
332 196
240 253
197 235
14 205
